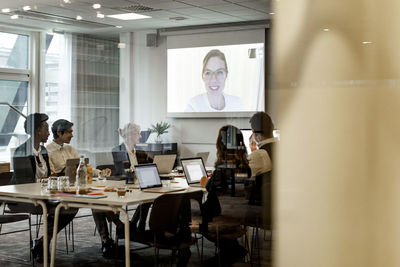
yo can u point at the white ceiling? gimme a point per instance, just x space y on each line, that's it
58 15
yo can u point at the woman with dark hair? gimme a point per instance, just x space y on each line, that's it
231 155
231 159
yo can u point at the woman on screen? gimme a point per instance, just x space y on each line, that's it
215 72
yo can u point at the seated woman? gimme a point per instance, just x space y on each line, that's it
230 151
130 133
231 155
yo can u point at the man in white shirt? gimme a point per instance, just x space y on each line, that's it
263 127
59 152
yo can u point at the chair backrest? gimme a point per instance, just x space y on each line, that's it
5 178
172 211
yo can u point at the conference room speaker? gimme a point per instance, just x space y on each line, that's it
151 40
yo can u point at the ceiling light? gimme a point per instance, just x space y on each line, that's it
14 16
366 42
128 16
67 1
26 8
96 6
271 13
78 17
101 16
326 30
119 27
5 10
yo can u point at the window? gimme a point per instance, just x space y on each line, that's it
14 90
82 85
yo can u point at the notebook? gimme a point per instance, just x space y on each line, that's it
149 179
164 163
194 169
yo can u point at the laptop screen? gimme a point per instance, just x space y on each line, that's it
246 136
147 176
194 169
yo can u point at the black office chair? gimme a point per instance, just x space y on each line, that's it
169 223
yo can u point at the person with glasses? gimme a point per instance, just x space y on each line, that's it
60 151
214 74
30 164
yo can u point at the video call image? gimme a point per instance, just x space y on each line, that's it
216 79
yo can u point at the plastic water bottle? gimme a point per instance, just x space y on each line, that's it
82 177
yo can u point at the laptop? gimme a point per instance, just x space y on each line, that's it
246 135
203 156
164 163
149 179
194 169
70 169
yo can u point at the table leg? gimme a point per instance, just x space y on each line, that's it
54 241
45 236
127 238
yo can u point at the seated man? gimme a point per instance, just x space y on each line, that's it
31 163
59 152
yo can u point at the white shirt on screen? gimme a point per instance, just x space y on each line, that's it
200 103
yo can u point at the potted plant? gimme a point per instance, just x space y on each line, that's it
160 128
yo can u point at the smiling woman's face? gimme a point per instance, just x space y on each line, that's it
214 76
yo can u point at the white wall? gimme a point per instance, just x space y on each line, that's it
144 98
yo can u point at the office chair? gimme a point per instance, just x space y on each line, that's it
169 223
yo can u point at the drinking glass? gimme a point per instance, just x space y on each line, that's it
63 183
121 191
44 185
53 184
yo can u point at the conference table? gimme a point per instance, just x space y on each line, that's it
31 193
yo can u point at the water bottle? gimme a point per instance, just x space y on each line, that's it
82 177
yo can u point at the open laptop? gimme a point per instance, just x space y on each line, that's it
194 169
164 163
149 179
70 169
246 135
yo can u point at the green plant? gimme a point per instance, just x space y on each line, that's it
160 128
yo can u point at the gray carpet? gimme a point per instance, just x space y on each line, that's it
14 248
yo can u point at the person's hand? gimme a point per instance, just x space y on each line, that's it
204 181
253 146
106 172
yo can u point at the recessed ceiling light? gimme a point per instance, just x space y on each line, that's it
326 30
366 42
67 1
119 27
101 16
15 16
78 17
96 6
5 10
26 8
271 13
128 16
